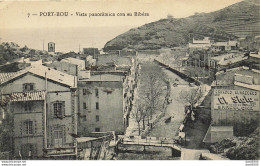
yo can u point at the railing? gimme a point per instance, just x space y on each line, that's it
150 141
60 151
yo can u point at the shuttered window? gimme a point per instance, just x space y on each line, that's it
28 87
28 106
84 91
84 105
96 92
97 105
59 109
28 127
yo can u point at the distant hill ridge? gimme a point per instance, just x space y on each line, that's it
238 20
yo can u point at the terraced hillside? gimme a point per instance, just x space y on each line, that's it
238 20
241 19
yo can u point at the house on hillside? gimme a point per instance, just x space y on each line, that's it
204 44
226 60
225 46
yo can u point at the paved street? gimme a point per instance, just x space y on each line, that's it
175 109
191 154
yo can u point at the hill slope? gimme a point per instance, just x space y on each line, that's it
238 20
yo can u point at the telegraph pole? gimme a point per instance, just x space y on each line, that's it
43 45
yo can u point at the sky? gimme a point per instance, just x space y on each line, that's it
18 24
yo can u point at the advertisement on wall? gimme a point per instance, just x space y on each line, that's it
241 100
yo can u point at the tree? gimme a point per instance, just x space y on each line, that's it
25 48
139 114
153 87
190 97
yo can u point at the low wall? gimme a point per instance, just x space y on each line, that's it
182 75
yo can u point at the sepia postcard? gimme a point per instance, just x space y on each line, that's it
129 80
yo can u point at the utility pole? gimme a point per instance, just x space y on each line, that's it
79 48
43 45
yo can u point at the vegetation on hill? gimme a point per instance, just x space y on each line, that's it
240 148
238 20
11 52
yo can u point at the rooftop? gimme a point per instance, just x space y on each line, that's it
227 43
227 59
73 61
221 128
42 71
198 45
253 87
243 70
255 55
105 76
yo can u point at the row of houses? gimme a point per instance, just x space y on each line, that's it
53 105
235 92
207 44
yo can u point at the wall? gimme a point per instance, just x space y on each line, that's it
65 67
110 110
231 117
36 115
217 136
109 58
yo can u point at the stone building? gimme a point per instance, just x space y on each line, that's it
70 66
105 102
44 105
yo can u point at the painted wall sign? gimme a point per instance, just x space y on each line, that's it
236 100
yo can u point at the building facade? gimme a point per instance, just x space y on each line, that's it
104 102
44 111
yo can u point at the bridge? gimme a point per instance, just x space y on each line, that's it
177 150
152 141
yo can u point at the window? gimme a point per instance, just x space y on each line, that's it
97 118
58 109
85 118
84 105
28 87
84 91
97 129
28 106
28 127
58 138
96 91
97 105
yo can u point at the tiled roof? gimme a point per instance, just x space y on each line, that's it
54 75
40 70
4 77
24 96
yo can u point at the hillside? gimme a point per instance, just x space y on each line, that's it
12 52
238 20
